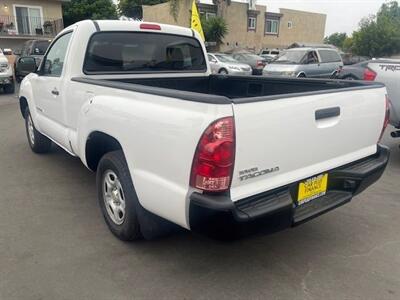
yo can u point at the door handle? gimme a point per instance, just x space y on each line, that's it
327 113
55 92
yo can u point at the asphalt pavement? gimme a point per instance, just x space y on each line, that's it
54 243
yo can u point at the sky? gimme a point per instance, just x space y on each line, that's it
342 15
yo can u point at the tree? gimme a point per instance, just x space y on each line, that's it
215 29
337 39
78 10
379 35
348 44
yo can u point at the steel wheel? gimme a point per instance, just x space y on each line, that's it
114 198
31 130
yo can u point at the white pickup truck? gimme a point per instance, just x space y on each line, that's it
173 144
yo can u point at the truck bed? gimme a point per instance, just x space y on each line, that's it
230 89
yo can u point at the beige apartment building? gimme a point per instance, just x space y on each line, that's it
22 20
250 26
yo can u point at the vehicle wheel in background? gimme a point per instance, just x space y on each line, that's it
349 77
18 78
37 141
223 72
117 196
302 75
9 88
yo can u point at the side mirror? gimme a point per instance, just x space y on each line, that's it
27 64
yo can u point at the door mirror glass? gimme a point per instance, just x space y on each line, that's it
27 64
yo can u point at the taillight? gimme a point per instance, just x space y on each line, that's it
369 75
150 26
214 158
387 116
260 63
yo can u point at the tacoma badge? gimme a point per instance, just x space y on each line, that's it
254 172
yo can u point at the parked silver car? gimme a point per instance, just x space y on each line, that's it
257 63
305 62
226 64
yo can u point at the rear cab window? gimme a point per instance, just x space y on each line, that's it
142 52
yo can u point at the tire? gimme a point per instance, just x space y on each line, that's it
302 75
223 72
37 141
117 197
349 77
18 78
9 88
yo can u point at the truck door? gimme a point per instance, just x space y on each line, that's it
48 91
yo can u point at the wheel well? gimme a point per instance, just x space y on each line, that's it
23 104
301 74
98 144
222 69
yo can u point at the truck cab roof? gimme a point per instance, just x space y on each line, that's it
123 25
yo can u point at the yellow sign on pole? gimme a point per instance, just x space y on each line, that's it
196 24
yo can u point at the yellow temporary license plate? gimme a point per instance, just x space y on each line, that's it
312 188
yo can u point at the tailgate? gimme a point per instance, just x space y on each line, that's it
281 141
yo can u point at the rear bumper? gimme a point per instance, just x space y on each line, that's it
220 217
257 71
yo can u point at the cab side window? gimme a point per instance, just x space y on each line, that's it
54 61
312 57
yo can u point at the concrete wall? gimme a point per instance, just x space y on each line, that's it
160 13
236 17
307 27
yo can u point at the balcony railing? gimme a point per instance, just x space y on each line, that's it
30 26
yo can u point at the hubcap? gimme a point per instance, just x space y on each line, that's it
114 198
31 131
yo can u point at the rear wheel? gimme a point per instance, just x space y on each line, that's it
9 88
302 75
117 196
223 72
349 78
37 141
